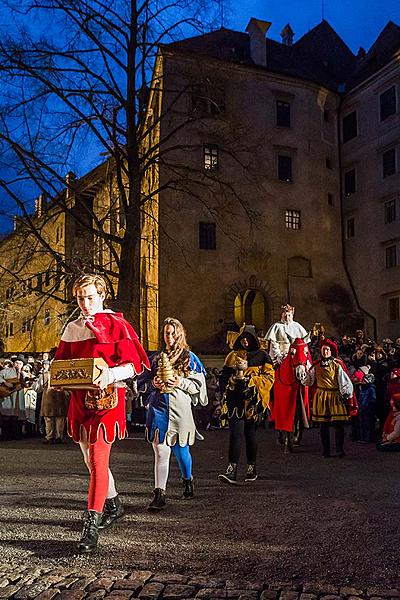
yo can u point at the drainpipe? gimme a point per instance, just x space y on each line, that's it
341 221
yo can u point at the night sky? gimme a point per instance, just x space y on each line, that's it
358 22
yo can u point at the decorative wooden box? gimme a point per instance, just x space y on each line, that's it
76 374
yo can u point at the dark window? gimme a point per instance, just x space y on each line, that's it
328 163
350 182
331 200
11 329
208 100
210 157
394 309
391 257
349 126
350 230
389 163
282 114
387 102
285 168
292 219
207 236
6 329
390 211
47 317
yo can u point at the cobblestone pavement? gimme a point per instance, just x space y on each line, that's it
307 529
26 583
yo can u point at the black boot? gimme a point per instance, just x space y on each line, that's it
188 492
90 532
251 473
230 474
158 502
112 511
288 448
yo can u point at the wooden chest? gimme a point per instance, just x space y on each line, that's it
76 374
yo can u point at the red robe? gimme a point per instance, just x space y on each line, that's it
113 339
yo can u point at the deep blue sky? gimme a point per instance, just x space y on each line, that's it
358 22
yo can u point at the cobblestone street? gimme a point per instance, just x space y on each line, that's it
308 528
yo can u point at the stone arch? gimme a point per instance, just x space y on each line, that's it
254 297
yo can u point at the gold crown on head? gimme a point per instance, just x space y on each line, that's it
287 308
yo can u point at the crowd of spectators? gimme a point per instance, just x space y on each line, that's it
28 408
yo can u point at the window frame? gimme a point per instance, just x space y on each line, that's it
281 115
396 311
280 159
383 119
207 235
391 260
394 171
210 148
292 219
390 211
346 173
350 135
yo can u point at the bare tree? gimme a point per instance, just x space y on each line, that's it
83 82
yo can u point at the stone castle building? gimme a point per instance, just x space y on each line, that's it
276 180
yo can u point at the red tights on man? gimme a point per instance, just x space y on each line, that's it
99 458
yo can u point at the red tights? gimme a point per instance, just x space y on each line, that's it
99 458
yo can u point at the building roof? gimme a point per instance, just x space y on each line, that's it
381 53
320 55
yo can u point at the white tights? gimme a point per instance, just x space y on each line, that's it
162 454
112 492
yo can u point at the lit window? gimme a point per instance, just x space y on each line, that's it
207 236
391 257
394 309
349 127
292 219
285 168
387 103
390 211
210 157
350 228
389 163
282 114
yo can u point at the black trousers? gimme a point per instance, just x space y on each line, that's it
325 437
238 429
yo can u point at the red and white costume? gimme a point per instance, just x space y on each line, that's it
109 336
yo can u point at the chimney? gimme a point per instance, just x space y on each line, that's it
40 205
287 35
70 179
258 47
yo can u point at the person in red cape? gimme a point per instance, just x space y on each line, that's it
95 420
333 400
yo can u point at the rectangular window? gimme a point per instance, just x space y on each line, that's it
47 317
394 309
350 182
350 228
285 168
207 236
11 329
387 103
390 211
390 257
349 127
282 113
292 219
6 330
389 163
210 157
